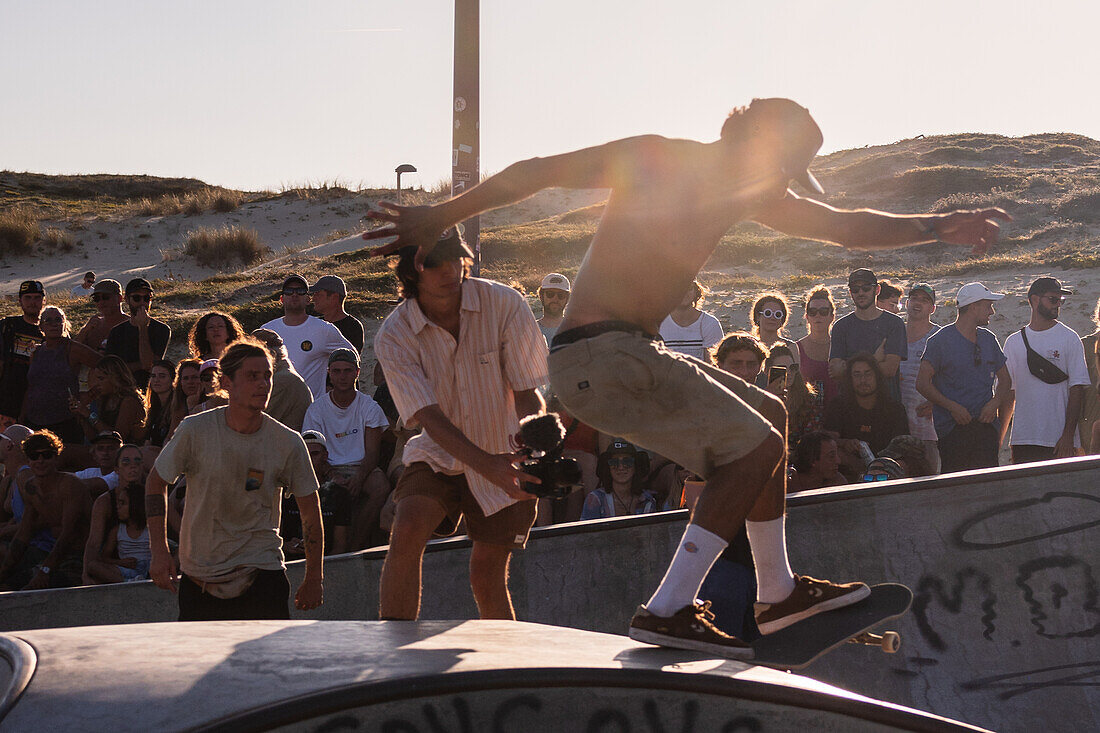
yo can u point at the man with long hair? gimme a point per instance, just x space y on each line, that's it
671 203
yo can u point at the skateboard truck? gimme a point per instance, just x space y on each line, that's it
889 641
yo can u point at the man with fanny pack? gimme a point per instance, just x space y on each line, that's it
672 201
238 461
1049 377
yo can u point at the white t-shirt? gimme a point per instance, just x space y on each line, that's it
308 346
694 339
343 426
1040 415
79 291
111 479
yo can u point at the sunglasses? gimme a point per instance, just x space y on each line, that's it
295 291
819 311
101 296
140 298
555 294
861 288
621 462
778 313
37 455
870 477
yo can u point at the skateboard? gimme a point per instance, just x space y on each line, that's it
800 644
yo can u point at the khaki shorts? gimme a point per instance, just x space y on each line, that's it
629 386
509 527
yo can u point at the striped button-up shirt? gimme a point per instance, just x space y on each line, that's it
500 350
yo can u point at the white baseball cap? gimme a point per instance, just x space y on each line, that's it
973 292
555 281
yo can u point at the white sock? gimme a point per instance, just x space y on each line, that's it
768 540
689 567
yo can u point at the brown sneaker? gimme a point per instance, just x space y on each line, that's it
810 596
689 628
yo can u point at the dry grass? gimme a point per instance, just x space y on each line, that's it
225 246
19 230
54 238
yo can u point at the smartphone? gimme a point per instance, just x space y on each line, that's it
777 373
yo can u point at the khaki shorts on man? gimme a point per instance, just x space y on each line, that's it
630 385
508 527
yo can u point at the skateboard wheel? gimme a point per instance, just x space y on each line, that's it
891 642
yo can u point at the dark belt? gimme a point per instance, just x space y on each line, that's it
591 330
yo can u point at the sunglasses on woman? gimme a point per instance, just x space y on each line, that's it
819 311
769 313
37 455
622 462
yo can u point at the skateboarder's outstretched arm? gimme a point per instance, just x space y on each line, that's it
871 229
603 166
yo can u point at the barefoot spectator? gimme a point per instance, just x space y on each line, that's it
290 397
84 288
742 355
112 402
52 378
769 315
352 424
1046 361
1090 409
328 296
143 339
211 334
468 396
58 503
125 556
816 463
687 329
158 396
19 337
889 297
554 296
187 385
308 340
865 411
129 468
621 491
919 307
230 550
957 373
107 297
335 506
869 329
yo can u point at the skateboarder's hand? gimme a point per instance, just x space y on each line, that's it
410 225
501 470
977 228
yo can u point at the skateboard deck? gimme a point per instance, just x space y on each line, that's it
798 645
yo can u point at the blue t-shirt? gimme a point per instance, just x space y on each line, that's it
851 335
965 371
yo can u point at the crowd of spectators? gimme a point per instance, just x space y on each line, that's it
869 396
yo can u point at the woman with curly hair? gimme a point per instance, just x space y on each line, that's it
768 316
112 401
212 333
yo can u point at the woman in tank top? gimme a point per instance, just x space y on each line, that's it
52 378
125 555
813 348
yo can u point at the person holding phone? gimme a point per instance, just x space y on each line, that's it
785 382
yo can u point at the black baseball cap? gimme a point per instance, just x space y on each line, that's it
29 287
862 275
1044 285
451 246
138 283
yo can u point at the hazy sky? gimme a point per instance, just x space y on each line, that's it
259 94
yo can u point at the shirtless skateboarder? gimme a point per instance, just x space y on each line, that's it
671 202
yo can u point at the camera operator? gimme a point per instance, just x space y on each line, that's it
463 358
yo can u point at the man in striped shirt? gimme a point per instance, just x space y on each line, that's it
671 203
463 358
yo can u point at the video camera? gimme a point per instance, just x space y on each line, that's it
541 439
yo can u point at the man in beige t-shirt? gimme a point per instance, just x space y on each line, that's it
237 461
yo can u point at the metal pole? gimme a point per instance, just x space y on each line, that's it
466 145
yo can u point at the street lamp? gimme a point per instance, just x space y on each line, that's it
403 168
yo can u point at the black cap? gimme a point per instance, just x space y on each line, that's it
451 246
28 287
294 279
620 446
862 275
1044 285
108 436
138 283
